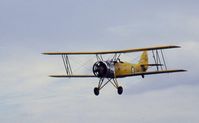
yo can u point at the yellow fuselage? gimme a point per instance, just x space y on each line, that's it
125 68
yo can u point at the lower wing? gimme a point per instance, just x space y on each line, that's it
120 76
73 76
151 72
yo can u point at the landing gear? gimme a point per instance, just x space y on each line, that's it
96 91
120 90
101 84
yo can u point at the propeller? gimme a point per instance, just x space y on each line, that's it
99 69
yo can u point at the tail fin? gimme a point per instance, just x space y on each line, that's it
144 60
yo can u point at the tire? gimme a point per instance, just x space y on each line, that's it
96 91
120 90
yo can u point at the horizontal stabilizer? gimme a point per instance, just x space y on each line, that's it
151 64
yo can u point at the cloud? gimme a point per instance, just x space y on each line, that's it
27 94
39 98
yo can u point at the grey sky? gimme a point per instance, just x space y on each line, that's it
29 27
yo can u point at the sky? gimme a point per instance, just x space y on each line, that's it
30 27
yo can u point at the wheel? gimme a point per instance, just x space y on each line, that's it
119 90
96 91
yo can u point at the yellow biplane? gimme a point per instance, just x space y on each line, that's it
114 68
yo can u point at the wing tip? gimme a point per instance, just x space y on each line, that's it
177 46
182 70
47 53
51 76
173 46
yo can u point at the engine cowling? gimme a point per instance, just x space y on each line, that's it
104 69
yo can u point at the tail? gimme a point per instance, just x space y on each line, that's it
144 61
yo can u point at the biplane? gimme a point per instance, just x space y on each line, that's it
108 71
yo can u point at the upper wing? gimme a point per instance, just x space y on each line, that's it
151 72
112 51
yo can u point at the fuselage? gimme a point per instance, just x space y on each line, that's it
114 69
125 68
117 68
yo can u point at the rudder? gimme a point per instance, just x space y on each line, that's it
144 60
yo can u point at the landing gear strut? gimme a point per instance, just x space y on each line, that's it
101 84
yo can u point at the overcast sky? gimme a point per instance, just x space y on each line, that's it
30 27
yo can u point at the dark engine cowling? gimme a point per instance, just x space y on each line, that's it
104 69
